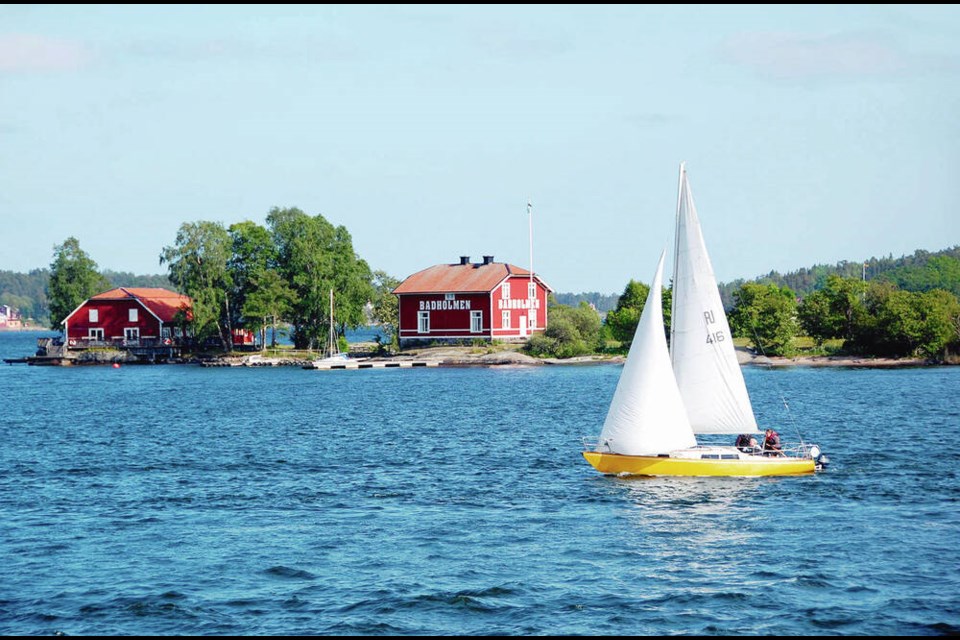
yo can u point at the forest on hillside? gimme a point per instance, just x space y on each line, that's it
920 271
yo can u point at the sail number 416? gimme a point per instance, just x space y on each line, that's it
716 336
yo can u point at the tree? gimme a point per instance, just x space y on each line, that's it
835 310
767 314
623 320
268 297
73 279
573 331
199 265
906 323
386 310
253 254
314 257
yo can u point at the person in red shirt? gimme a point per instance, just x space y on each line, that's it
771 443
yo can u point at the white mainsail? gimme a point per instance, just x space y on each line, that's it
646 415
701 346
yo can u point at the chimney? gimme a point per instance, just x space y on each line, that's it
487 259
464 259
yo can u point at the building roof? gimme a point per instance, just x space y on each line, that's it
462 278
163 303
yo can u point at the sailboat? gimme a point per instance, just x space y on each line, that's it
332 355
666 396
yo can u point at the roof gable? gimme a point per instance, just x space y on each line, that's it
162 303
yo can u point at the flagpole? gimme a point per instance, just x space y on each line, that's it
531 290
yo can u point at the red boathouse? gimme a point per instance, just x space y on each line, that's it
128 316
466 301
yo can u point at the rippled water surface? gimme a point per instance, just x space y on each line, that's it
174 499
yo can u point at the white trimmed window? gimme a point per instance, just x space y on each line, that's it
132 315
476 321
505 291
94 315
131 333
423 322
505 318
95 334
533 320
531 291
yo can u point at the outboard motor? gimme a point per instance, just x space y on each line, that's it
820 459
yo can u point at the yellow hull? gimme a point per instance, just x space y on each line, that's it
617 464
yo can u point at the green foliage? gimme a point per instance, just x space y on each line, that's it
127 279
385 308
922 271
767 315
253 256
835 310
198 265
315 257
268 301
908 323
622 321
939 272
73 279
571 331
602 302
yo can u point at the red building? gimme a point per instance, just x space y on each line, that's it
127 316
488 300
10 318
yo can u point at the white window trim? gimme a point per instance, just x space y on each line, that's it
93 315
95 333
505 319
505 291
131 333
423 322
133 315
476 322
531 291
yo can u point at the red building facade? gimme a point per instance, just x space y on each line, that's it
127 316
465 301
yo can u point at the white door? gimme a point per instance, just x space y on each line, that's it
523 325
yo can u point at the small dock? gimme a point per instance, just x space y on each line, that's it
371 364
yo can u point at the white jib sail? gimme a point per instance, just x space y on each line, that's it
704 360
646 416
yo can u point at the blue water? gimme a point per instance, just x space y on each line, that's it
175 499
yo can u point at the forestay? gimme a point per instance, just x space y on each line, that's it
704 360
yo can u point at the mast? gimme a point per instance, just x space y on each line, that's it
676 259
331 341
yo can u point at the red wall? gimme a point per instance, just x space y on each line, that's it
444 322
518 304
113 319
455 322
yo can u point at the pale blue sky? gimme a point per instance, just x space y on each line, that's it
812 134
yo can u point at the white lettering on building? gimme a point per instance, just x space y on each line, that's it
444 305
517 303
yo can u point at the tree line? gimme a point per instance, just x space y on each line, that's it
248 276
875 318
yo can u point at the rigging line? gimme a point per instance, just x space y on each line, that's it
783 397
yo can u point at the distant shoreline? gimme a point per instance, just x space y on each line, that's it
745 357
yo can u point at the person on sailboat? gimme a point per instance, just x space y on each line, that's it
771 443
747 443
